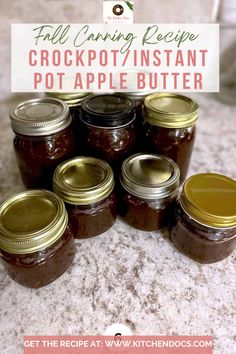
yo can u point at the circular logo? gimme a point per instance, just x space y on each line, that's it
117 330
118 10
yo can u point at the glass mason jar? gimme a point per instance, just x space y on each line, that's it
108 129
204 225
149 189
169 127
36 243
43 139
86 185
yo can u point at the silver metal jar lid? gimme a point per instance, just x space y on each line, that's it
41 116
150 176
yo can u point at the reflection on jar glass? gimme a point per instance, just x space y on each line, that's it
137 96
149 189
204 225
44 137
86 185
138 99
169 127
36 243
108 126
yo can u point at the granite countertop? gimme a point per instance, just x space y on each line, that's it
128 276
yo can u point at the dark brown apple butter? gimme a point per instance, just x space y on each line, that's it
204 224
36 242
143 214
92 219
149 189
174 143
169 127
86 185
44 137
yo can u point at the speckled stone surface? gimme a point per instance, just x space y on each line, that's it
125 275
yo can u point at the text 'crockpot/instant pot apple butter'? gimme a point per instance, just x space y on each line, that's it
86 185
36 243
44 137
149 188
204 226
169 127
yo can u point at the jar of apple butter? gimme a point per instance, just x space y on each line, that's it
86 185
44 137
169 127
108 129
36 243
149 189
204 226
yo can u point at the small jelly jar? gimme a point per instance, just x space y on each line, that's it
108 126
169 127
36 243
44 137
204 225
149 189
86 185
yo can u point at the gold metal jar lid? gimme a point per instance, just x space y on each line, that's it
40 116
31 221
210 199
83 180
72 99
150 176
170 110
